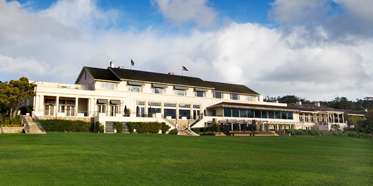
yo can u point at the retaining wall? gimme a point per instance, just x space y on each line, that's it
12 130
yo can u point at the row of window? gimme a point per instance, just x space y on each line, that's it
218 95
246 113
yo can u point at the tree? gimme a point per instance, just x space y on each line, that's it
13 94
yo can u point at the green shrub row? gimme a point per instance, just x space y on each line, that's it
353 134
118 126
173 131
99 128
151 127
58 125
15 122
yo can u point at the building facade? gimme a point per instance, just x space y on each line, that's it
114 94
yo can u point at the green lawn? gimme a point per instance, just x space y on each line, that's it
153 159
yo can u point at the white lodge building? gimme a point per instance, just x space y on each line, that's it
118 94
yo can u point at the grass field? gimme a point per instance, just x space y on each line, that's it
153 159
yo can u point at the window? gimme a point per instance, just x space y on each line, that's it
250 98
218 95
234 97
200 94
140 102
196 106
227 112
154 104
184 105
158 90
180 92
169 104
101 108
134 88
108 86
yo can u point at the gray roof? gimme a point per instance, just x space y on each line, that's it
226 87
117 74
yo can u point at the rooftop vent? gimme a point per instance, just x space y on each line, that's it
171 73
111 64
121 67
299 103
317 104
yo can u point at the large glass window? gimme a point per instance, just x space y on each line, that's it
158 90
184 113
180 92
134 88
250 113
170 112
264 114
227 112
258 114
236 112
234 97
277 115
101 109
284 115
290 115
200 94
218 95
243 113
271 114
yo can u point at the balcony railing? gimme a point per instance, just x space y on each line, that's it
63 85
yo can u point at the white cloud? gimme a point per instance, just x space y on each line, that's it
46 46
181 12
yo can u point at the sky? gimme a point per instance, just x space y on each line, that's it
318 50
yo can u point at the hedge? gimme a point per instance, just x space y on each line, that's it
151 127
58 125
353 134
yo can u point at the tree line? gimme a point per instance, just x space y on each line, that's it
336 103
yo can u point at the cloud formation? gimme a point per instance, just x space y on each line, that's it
181 12
293 58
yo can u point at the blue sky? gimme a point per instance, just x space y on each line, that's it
316 49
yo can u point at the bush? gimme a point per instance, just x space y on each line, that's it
99 128
165 128
322 133
369 135
58 125
118 126
26 109
311 132
353 134
299 132
141 127
362 135
290 131
173 131
15 122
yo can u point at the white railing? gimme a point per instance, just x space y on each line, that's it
63 85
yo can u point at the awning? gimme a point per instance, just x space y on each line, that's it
179 87
159 85
115 102
102 101
200 89
138 83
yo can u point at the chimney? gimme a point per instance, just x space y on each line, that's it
121 67
171 73
317 104
111 64
299 103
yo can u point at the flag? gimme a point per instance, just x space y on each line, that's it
132 63
185 69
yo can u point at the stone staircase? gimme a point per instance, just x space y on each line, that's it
32 126
182 126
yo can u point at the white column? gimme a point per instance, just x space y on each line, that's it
76 106
276 127
57 104
41 103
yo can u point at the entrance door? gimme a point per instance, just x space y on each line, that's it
49 110
196 114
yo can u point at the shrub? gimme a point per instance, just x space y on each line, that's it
173 131
291 131
58 125
299 132
311 132
99 127
369 135
165 128
322 133
353 134
118 126
362 135
141 127
25 109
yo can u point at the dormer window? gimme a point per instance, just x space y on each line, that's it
135 86
180 90
234 97
250 98
218 95
108 86
158 88
200 92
